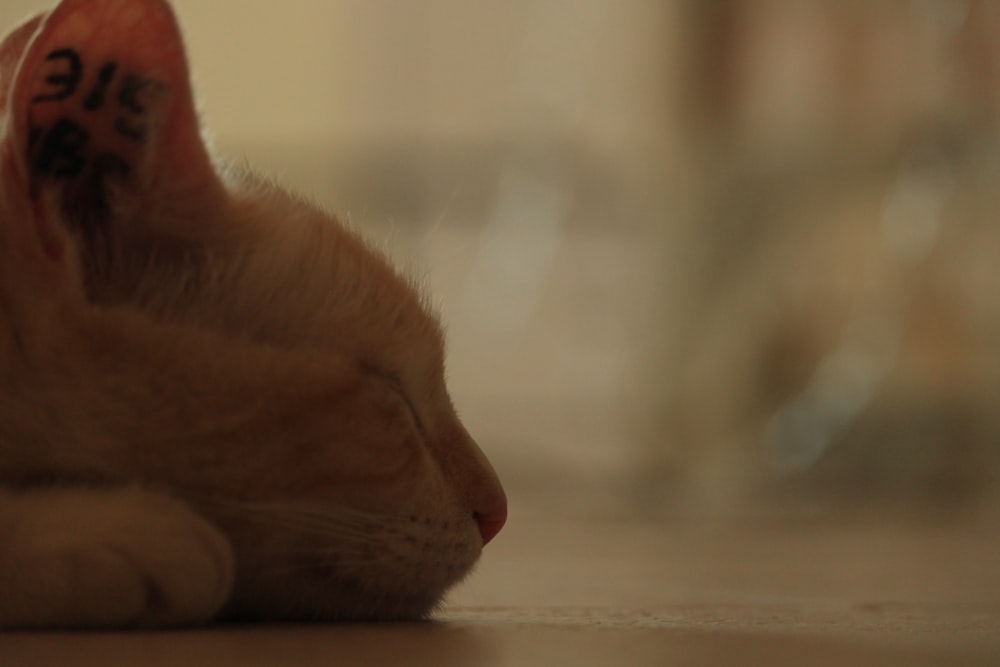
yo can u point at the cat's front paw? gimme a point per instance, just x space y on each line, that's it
85 558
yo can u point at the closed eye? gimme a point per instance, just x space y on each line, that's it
396 385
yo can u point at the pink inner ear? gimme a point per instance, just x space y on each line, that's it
103 92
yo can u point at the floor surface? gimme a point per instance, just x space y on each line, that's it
635 593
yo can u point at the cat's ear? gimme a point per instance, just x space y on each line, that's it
11 50
100 114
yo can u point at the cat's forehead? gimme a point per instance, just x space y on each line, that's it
350 293
412 340
415 333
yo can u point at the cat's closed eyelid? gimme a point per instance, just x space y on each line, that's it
395 383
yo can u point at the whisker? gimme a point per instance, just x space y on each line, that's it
339 522
291 569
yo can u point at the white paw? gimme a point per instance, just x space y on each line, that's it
87 558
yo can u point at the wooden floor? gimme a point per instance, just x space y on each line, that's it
576 592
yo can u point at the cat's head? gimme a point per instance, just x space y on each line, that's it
195 329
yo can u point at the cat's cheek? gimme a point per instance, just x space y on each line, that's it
399 481
373 461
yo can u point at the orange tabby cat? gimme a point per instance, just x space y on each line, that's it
217 401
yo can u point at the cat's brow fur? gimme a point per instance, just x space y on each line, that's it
219 401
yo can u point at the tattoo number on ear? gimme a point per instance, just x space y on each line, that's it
95 100
65 82
135 92
61 150
134 95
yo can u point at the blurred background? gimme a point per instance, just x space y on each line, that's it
694 257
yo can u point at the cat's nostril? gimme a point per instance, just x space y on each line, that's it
491 522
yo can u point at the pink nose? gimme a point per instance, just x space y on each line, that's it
491 522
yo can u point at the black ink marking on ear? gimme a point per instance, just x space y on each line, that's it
136 94
132 88
61 151
72 149
95 100
66 82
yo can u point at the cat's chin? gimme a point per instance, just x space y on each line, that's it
314 607
320 591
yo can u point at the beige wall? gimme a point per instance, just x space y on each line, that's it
367 70
659 230
314 72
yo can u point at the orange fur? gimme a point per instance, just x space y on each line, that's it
218 399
